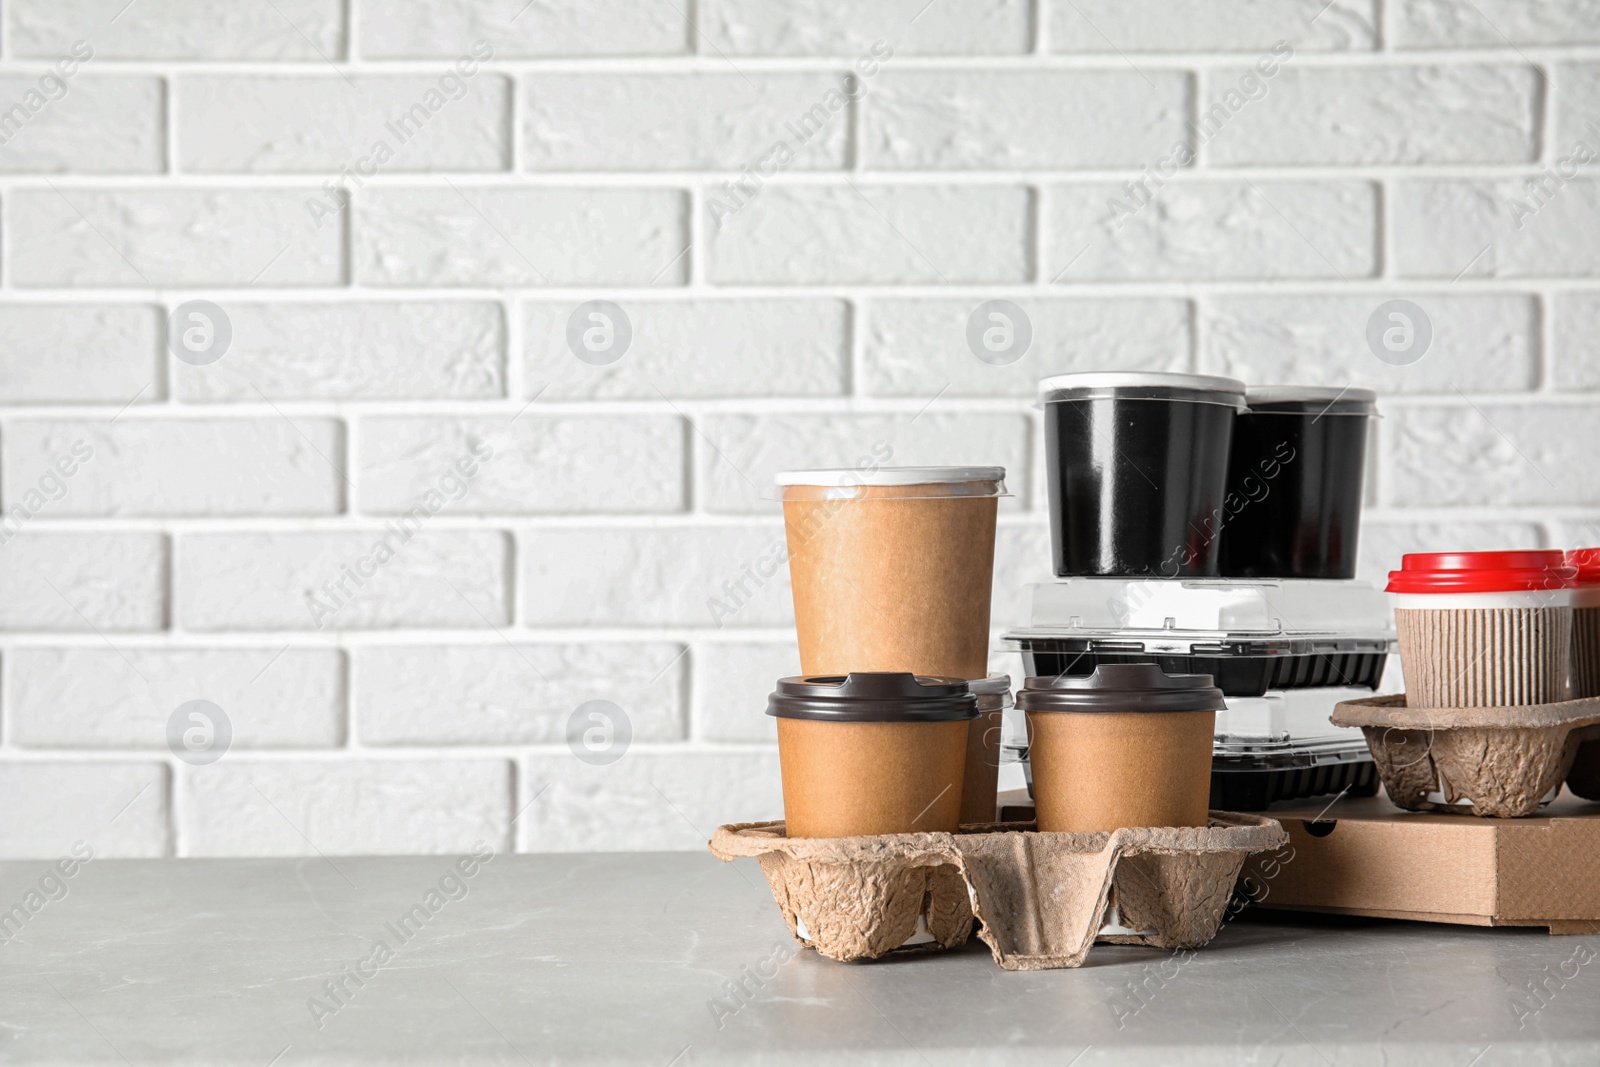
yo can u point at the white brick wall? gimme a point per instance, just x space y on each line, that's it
402 535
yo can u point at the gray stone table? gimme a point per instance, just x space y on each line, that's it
629 958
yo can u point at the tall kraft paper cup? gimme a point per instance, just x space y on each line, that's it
1128 745
980 785
1484 629
891 569
871 753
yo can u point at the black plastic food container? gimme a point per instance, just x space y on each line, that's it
1296 476
1137 468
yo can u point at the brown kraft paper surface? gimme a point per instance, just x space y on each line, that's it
1041 899
845 779
981 780
1100 770
892 584
1484 657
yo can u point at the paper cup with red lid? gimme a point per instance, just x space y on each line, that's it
1585 621
1484 629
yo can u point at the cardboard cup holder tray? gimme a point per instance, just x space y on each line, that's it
1492 762
1040 900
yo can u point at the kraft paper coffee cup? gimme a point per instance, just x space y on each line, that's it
1484 629
981 780
1126 746
872 753
891 569
1296 477
1137 471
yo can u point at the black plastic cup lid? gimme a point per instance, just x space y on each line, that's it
873 697
1122 687
1316 400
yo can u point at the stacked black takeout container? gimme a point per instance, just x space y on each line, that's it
1212 529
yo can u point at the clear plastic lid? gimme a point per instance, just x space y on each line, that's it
851 483
1143 385
1315 400
1288 715
1206 609
993 692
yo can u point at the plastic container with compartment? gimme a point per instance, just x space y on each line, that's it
1251 636
1284 653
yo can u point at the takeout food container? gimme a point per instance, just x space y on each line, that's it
1041 899
1484 629
1296 477
1499 762
1137 468
1250 635
891 568
872 753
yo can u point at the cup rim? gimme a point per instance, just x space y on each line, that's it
851 477
1143 385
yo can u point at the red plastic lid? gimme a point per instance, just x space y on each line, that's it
1587 561
1481 572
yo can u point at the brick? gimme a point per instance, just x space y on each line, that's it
735 471
392 29
1577 114
852 27
178 237
978 120
82 354
177 29
869 234
522 695
1482 343
527 464
916 347
206 467
266 581
117 809
354 808
81 123
731 684
695 348
1384 541
101 698
1210 229
657 575
421 350
1461 113
682 121
1508 228
1575 324
1500 455
1491 23
477 236
80 581
325 124
1207 26
644 800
